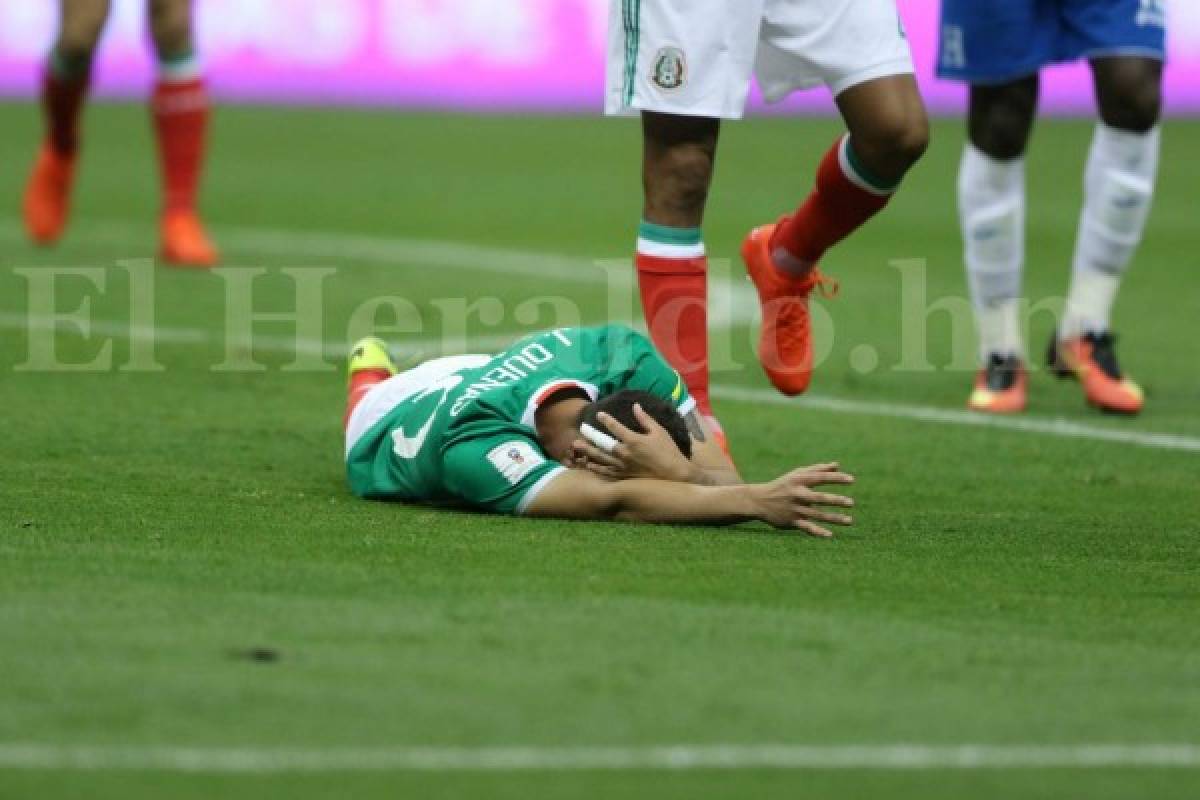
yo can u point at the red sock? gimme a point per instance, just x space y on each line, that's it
180 110
62 101
843 200
362 382
675 302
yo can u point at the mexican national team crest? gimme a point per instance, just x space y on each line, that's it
670 69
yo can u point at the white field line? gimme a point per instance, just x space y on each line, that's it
667 757
731 302
467 258
1041 425
337 350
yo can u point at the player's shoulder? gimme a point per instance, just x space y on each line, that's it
593 344
614 335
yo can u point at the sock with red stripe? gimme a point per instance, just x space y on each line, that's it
180 111
362 382
672 270
64 89
845 197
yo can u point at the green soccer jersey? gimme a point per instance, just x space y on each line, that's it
461 430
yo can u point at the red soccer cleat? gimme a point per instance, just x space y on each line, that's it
1092 360
785 342
48 195
184 242
1000 387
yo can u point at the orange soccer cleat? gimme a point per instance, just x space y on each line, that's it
1092 360
48 195
184 242
785 342
1000 387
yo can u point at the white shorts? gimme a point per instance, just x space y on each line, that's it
384 396
696 57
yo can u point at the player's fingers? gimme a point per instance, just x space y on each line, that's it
594 453
832 517
825 499
619 431
649 423
599 469
831 466
822 478
813 529
611 473
579 455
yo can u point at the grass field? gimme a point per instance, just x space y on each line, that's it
1002 587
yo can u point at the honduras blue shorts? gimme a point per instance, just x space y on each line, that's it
995 41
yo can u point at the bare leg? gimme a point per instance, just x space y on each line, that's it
1000 117
1119 186
991 198
170 27
887 123
679 154
677 167
80 24
180 112
47 200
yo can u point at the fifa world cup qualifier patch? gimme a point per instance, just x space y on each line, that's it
514 460
670 69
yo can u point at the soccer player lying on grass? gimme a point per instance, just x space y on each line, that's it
574 423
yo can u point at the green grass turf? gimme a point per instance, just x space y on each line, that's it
1000 587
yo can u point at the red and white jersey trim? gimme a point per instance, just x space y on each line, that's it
545 391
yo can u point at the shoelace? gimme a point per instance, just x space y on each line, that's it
791 315
826 286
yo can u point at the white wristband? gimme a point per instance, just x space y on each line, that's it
598 438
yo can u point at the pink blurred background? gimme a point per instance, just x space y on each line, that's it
458 54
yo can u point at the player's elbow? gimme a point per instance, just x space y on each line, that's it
609 502
613 500
578 495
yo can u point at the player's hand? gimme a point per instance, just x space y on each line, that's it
652 454
792 501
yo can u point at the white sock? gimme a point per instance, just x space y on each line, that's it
1118 190
991 204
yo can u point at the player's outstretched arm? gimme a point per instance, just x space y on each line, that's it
788 502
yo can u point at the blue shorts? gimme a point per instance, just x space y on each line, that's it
995 41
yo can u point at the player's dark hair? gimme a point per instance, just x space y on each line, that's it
620 407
